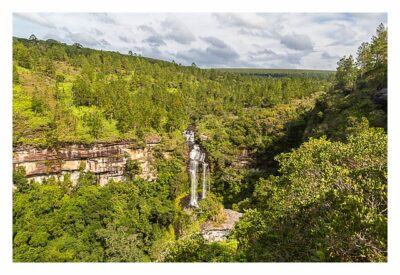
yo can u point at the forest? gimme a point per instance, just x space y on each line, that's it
303 155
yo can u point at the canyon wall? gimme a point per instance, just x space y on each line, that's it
105 160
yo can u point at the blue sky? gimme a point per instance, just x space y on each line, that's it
260 40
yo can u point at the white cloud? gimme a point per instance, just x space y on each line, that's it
177 31
298 42
295 40
35 18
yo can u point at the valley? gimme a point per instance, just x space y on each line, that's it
124 158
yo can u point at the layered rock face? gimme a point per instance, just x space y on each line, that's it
106 161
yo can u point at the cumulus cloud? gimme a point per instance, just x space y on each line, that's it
153 52
215 41
146 28
35 18
259 33
209 57
154 41
124 38
252 21
84 39
104 42
97 32
326 55
104 17
301 40
298 42
177 31
342 35
217 53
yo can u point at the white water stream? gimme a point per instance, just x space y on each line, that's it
196 156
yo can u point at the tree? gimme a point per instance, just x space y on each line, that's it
197 249
378 73
328 204
22 56
121 245
19 179
346 74
33 38
82 92
77 45
38 105
130 53
132 168
364 58
94 120
15 75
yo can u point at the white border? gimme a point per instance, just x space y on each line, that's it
6 9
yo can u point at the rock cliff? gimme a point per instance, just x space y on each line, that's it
106 161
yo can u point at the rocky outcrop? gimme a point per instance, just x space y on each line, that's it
107 161
380 98
220 232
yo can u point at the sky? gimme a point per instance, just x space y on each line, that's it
251 40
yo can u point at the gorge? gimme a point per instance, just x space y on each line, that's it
114 156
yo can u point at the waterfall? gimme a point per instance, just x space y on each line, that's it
196 156
204 193
193 183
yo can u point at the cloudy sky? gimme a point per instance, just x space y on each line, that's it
261 40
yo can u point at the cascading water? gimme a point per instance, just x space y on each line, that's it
196 156
204 193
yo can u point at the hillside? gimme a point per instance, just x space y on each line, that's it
67 94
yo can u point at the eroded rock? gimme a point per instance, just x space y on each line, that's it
106 161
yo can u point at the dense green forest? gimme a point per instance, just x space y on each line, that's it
313 186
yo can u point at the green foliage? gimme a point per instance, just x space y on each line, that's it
132 168
81 90
38 105
19 179
370 68
94 120
15 74
280 72
324 199
197 249
337 110
253 138
329 204
120 245
93 95
372 61
346 74
117 222
211 208
172 176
